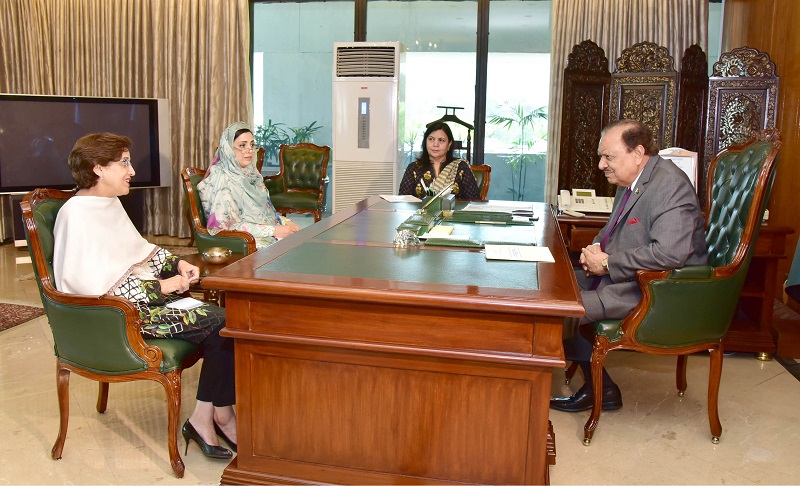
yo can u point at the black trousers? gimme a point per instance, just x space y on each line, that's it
217 382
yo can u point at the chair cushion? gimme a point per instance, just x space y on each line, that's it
45 216
175 353
610 328
296 200
302 167
735 179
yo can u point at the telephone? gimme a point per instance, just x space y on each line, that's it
584 201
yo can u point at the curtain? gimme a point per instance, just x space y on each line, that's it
193 53
615 25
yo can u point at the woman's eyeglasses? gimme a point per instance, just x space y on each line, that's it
245 148
125 162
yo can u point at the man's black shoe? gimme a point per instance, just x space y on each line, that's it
583 398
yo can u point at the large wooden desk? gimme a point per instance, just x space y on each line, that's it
360 363
751 329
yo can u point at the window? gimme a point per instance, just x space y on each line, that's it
293 71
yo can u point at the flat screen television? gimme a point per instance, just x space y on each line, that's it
37 134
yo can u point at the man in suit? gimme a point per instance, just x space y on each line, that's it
656 224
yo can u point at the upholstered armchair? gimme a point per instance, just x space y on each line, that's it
483 176
299 187
688 310
98 337
237 241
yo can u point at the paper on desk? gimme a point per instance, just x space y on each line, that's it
393 199
443 237
187 303
519 253
501 207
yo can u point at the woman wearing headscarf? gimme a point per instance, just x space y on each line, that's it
98 251
233 193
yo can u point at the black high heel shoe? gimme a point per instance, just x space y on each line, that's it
220 433
214 452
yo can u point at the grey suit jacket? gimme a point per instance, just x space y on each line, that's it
661 228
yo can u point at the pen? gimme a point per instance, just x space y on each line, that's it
491 222
424 187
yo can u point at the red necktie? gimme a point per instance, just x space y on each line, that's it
607 234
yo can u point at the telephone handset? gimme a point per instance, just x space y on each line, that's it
564 203
583 200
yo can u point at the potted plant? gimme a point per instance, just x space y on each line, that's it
272 135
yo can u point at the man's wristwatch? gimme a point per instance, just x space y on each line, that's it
605 264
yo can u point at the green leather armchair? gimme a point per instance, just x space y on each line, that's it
483 176
689 309
237 241
299 187
98 337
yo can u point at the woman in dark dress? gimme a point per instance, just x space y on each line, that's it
436 167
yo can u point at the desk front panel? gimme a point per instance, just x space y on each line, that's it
361 363
341 416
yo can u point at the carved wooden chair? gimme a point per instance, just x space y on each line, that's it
237 241
299 187
483 176
676 315
98 337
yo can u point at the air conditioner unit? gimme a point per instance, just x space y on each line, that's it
367 125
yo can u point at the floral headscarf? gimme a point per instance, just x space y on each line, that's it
232 195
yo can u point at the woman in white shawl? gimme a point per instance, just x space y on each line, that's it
233 193
98 251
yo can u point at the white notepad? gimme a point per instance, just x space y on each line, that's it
187 303
520 253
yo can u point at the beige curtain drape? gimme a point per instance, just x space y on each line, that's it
193 53
615 25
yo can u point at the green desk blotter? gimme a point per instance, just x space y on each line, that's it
469 243
482 217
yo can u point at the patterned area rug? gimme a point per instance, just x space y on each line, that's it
13 314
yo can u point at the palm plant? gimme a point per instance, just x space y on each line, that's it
526 124
272 135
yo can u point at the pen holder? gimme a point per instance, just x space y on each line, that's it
420 223
449 202
444 203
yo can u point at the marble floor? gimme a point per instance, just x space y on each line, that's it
656 438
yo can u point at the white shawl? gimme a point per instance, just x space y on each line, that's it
96 246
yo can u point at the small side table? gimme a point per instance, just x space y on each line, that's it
206 269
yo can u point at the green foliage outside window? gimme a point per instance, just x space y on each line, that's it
527 128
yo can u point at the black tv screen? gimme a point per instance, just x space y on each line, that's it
37 134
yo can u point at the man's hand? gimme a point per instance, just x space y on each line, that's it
591 260
188 271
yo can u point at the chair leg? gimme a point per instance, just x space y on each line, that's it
598 360
172 386
573 368
102 397
714 376
317 215
680 374
62 384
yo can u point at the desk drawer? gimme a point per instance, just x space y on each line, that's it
580 237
